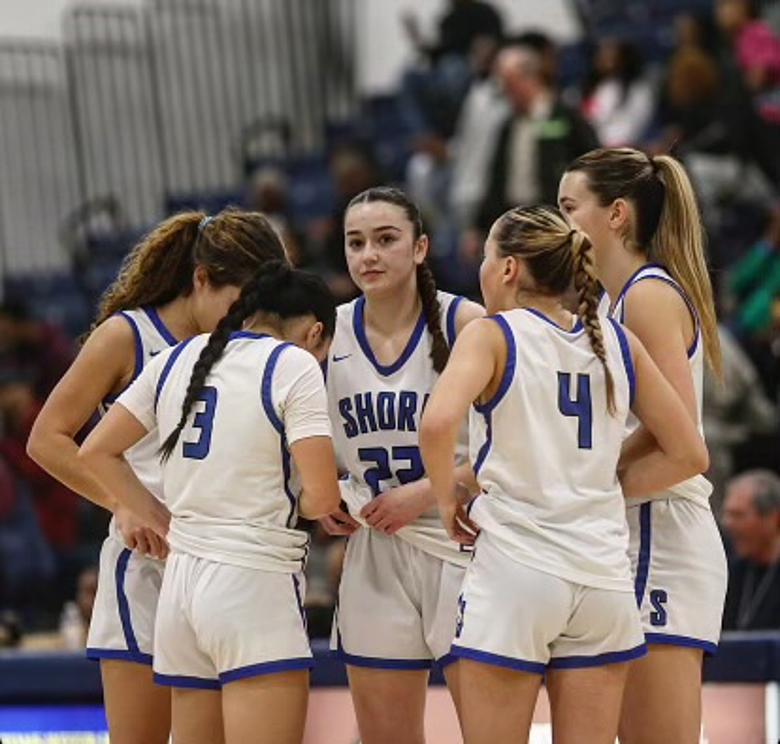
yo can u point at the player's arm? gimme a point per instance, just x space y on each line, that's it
659 317
307 428
104 364
102 455
466 312
680 452
472 367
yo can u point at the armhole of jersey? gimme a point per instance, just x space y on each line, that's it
166 370
687 300
628 362
266 388
452 314
138 364
509 369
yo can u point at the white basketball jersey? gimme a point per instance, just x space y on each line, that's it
376 410
151 337
698 488
230 482
545 451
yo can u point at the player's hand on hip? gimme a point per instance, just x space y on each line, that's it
458 524
395 508
339 523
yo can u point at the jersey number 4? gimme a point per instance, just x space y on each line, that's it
380 457
580 407
203 422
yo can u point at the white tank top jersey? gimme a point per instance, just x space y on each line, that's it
376 410
230 483
151 337
545 451
698 488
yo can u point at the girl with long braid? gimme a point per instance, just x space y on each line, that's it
241 422
177 282
402 574
641 214
549 591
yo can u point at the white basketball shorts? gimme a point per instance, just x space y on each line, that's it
680 572
218 623
122 625
517 617
397 604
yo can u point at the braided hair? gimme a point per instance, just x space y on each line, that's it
555 256
426 284
277 289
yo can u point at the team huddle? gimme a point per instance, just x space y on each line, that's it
520 482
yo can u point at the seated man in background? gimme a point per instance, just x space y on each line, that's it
751 518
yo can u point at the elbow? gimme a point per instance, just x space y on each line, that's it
85 455
316 508
434 427
34 448
697 459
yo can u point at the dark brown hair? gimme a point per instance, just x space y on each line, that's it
426 284
230 246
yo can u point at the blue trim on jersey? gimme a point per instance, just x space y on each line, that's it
157 322
166 370
643 560
611 657
267 667
691 309
122 603
139 348
663 639
247 334
192 683
628 362
266 388
117 654
358 326
446 660
268 406
520 665
578 327
485 448
452 312
509 369
627 286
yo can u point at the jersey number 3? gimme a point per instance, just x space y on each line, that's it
580 407
204 422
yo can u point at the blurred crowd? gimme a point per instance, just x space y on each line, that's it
488 120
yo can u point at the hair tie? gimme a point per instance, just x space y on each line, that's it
203 224
565 241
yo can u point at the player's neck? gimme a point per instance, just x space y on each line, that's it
615 273
178 318
550 307
390 313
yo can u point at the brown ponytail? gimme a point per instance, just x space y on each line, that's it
555 256
231 247
667 226
426 284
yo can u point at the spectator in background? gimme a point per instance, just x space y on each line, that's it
38 350
539 138
432 96
735 408
751 517
620 102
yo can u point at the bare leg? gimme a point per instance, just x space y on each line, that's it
585 703
197 716
662 702
497 704
269 709
389 704
138 711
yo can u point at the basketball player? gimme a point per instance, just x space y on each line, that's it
549 590
230 409
642 217
402 574
179 281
